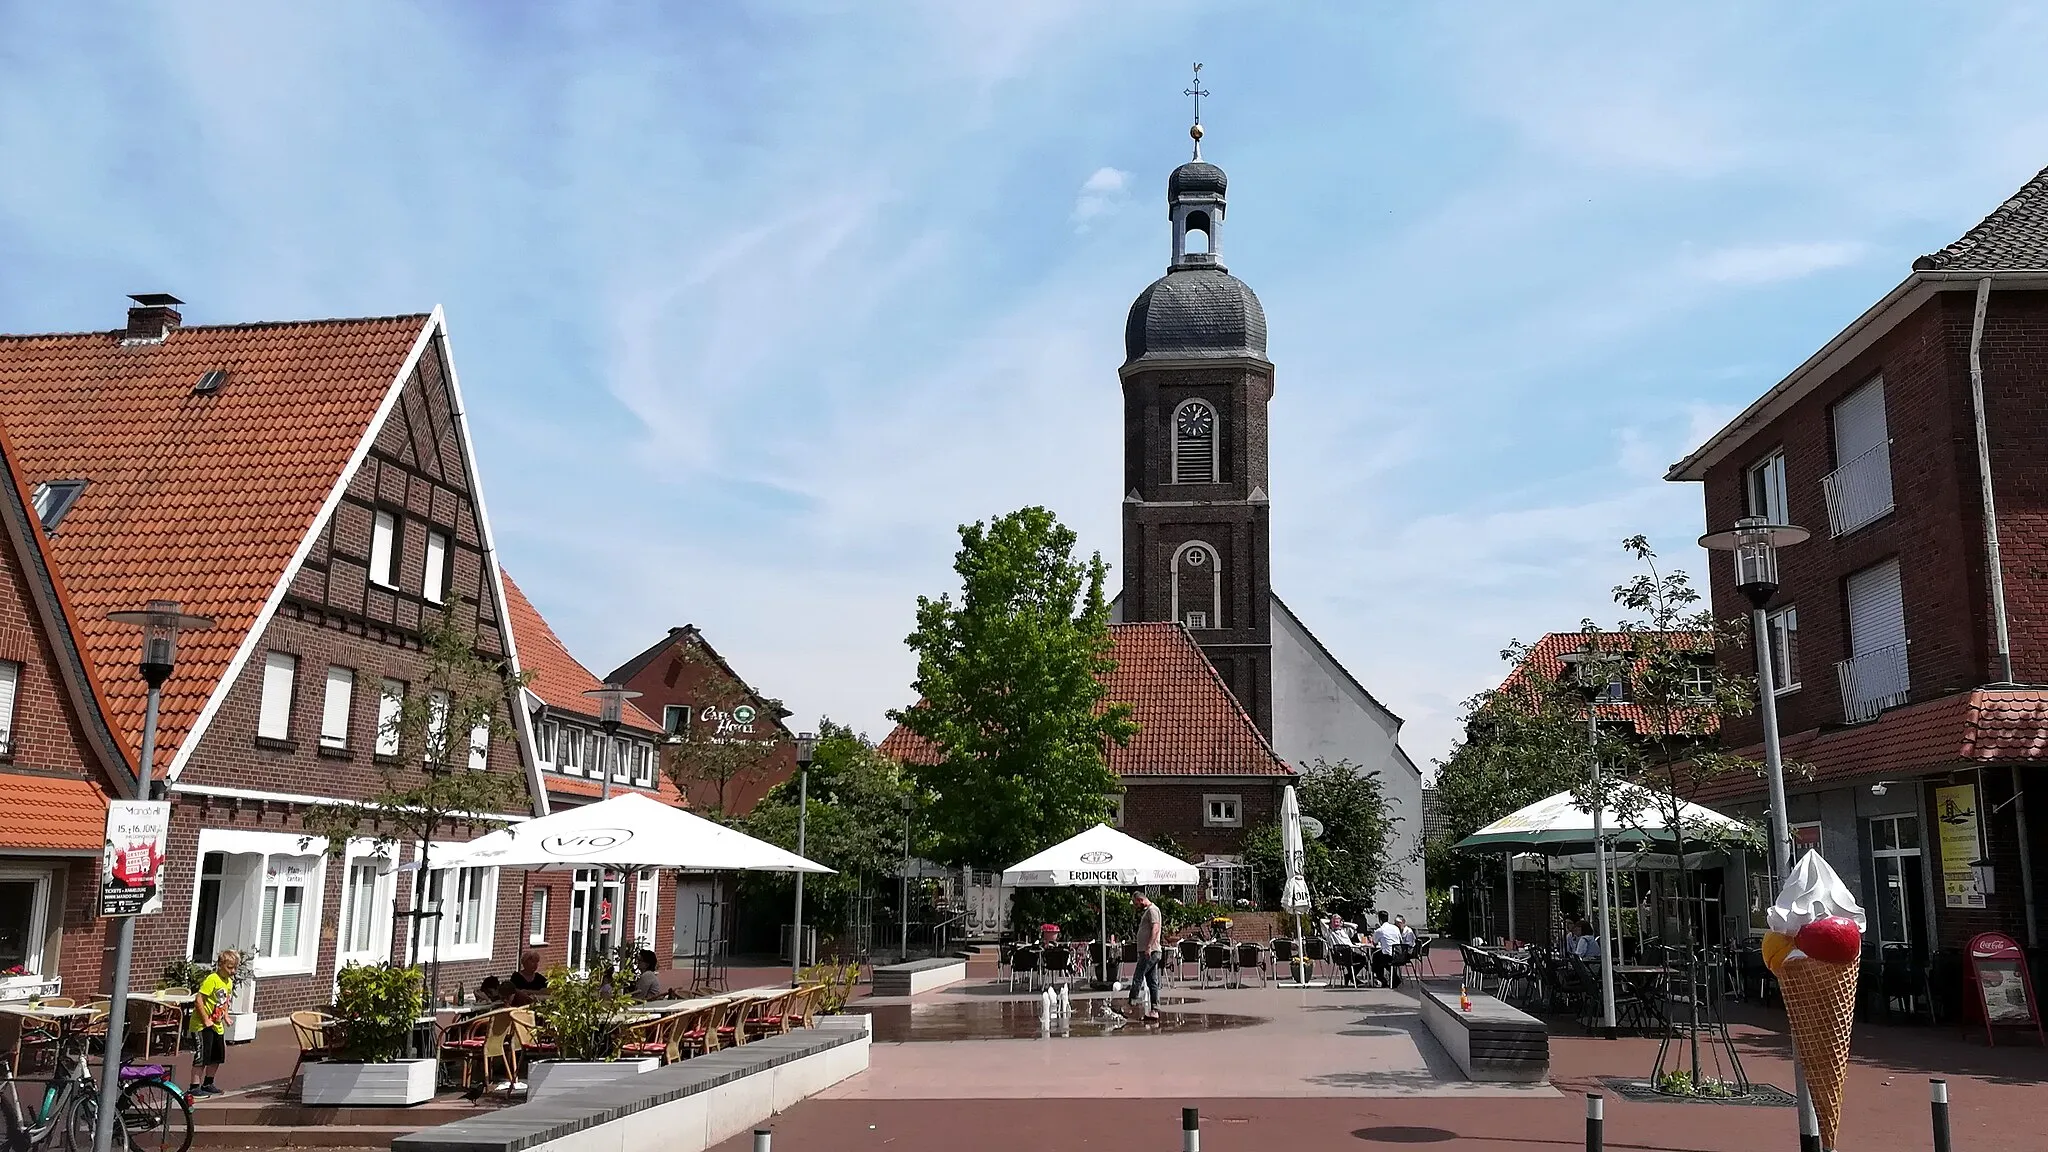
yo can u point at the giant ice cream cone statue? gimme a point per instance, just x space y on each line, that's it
1815 942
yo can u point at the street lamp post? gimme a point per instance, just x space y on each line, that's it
1755 542
903 946
1592 671
160 622
611 706
806 747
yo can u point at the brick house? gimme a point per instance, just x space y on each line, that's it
1925 729
1198 770
311 487
59 761
567 742
696 694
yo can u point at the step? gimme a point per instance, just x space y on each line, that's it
321 1136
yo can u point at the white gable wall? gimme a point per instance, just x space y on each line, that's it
1319 712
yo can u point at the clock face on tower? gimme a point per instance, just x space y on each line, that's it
1196 420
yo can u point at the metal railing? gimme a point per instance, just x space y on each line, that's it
1860 491
1872 682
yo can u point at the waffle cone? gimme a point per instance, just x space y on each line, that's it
1820 998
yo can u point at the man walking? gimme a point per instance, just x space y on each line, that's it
1145 977
1386 947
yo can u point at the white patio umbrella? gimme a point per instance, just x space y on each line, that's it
1098 858
1557 823
1294 893
627 832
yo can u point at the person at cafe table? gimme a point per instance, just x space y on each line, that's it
528 982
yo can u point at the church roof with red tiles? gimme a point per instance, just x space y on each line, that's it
194 495
1189 724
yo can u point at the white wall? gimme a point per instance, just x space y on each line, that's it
1319 714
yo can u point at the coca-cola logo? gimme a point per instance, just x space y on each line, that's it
586 843
1097 857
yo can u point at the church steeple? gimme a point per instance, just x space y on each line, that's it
1196 386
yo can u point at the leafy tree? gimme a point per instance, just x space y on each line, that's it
1012 679
431 785
1354 858
854 822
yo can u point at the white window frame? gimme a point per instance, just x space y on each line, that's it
10 689
434 573
247 842
383 896
646 907
438 703
480 747
670 713
545 733
384 537
569 751
390 702
643 764
1213 442
306 958
1784 657
583 882
279 687
1232 816
38 920
1209 607
1764 491
335 707
537 916
622 766
436 943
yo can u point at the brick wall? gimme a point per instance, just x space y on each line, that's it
1177 809
690 676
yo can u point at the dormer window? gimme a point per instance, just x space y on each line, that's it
1194 443
53 498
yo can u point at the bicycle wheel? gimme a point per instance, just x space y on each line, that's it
157 1116
78 1125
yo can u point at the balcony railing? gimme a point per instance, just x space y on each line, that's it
1872 682
1859 491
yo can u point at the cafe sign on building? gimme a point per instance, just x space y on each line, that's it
1955 815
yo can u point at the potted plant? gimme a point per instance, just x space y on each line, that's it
375 1009
583 1015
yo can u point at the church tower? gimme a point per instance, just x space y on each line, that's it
1196 385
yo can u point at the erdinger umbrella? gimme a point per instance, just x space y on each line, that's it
1098 858
627 832
1293 894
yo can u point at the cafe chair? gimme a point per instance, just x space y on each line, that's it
310 1030
532 1043
1216 956
1186 952
1025 961
645 1038
1250 958
1058 962
1317 951
700 1034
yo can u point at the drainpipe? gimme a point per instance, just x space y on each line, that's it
1984 480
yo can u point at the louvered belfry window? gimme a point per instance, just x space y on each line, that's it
1194 443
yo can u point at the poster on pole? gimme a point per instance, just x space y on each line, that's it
131 864
1955 814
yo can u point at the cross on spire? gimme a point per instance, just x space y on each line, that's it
1197 91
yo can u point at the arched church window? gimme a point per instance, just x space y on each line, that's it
1194 443
1197 586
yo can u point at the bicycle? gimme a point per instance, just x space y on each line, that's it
70 1106
155 1112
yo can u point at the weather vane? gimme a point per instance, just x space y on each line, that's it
1197 92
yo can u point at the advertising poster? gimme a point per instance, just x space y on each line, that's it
1955 814
132 861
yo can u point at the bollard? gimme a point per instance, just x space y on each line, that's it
1191 1130
1937 1094
761 1140
1596 1122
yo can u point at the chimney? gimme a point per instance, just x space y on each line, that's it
152 317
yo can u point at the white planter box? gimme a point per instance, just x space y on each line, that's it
241 1027
554 1077
382 1085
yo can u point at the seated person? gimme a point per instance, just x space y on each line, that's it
527 983
1342 943
490 991
647 986
1585 945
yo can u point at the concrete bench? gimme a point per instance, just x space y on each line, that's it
919 976
1494 1041
687 1106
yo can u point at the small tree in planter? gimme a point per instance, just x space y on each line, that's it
584 1016
375 1008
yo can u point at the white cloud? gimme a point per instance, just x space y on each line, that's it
1750 264
1104 190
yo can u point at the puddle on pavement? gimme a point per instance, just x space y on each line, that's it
1019 1020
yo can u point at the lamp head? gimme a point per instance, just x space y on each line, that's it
160 621
1755 542
611 703
806 748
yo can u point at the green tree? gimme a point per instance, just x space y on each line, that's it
853 824
1354 859
432 785
1012 677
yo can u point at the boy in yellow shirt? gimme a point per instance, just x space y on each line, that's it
210 1022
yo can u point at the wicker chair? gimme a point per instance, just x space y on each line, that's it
310 1030
645 1038
700 1032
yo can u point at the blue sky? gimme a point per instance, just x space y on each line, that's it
754 303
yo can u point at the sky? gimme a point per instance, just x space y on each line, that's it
754 304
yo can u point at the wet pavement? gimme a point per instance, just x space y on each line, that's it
1023 1019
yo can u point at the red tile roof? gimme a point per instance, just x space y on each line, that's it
560 680
202 499
52 813
1189 724
1973 727
1545 658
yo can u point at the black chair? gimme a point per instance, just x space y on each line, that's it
1250 957
1283 953
1188 951
1418 958
1216 956
1057 962
1317 951
1029 962
1903 980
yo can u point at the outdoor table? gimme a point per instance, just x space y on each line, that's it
22 1008
666 1007
1643 980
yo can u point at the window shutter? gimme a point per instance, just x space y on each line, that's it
1877 611
480 747
389 701
383 543
432 585
1859 422
10 679
341 688
274 721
